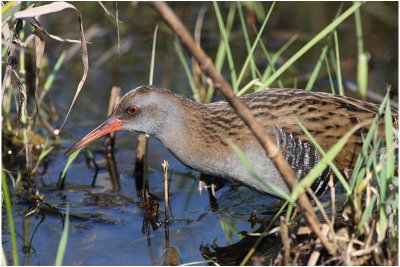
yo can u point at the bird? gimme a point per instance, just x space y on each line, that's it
198 134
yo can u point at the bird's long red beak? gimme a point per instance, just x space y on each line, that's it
109 126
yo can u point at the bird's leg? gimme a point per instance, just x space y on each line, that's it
212 185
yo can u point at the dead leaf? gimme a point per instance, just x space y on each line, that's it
52 8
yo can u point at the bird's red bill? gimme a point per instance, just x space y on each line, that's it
109 126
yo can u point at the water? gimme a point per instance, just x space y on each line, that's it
116 237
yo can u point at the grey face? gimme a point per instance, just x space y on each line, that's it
143 110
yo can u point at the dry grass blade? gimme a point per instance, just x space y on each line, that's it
105 9
117 23
52 8
39 47
43 10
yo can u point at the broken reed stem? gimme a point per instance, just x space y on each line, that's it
273 152
166 196
141 174
115 96
283 228
110 141
312 261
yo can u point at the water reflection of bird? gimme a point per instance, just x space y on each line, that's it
197 133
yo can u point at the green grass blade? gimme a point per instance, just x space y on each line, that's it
382 186
272 60
270 185
289 213
330 76
389 136
45 151
362 75
49 81
335 170
62 246
383 223
10 218
250 85
359 31
247 40
253 48
225 38
367 213
338 68
229 228
221 53
362 65
317 68
9 9
71 158
367 142
313 42
189 75
370 160
153 55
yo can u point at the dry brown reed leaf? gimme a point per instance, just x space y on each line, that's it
105 9
30 14
115 18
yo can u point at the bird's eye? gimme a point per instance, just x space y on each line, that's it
133 109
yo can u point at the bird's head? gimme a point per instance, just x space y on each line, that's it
144 109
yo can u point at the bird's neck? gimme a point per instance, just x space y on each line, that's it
183 118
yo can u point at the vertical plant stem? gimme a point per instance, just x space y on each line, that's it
317 68
24 110
338 68
362 64
10 218
110 141
247 40
225 38
251 52
153 55
329 75
62 246
166 198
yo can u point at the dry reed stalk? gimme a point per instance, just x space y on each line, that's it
312 261
110 141
141 148
166 196
283 228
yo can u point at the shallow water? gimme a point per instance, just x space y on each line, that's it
116 238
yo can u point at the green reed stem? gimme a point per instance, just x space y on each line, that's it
10 218
338 68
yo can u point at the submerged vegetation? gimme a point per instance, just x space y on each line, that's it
358 215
